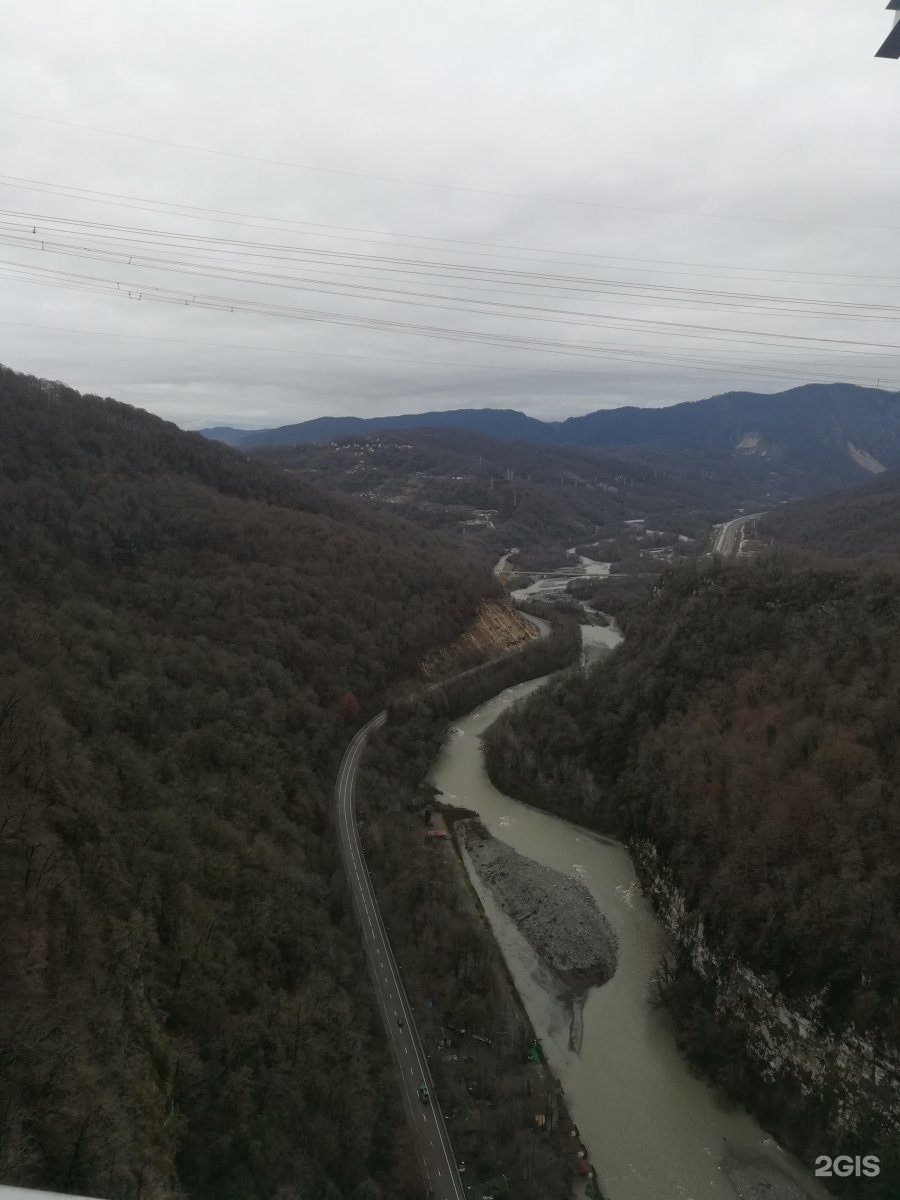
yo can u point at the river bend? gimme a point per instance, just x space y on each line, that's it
654 1131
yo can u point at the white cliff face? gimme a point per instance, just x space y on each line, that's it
784 1042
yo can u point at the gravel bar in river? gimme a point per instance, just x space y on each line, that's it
555 913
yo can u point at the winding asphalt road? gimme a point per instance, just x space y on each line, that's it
426 1120
543 627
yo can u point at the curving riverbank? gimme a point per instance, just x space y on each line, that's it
653 1129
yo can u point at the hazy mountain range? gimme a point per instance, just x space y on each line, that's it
835 433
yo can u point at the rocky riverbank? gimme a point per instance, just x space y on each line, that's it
755 1179
555 913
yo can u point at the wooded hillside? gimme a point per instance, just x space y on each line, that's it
852 524
749 729
505 493
182 1009
748 726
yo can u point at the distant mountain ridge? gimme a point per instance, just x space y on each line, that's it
836 433
503 423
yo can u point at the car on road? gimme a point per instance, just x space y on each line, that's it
423 1093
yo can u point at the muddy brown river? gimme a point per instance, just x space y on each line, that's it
653 1130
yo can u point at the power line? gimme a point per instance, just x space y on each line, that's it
597 204
659 294
659 352
483 249
724 369
109 242
428 362
70 281
516 311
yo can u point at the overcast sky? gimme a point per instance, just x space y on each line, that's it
552 205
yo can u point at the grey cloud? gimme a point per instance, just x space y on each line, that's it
645 111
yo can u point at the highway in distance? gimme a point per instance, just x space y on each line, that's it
728 538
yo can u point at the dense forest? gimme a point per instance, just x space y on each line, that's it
854 524
748 728
183 634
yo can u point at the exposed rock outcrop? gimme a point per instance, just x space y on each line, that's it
497 627
784 1043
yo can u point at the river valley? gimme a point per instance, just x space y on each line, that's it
654 1131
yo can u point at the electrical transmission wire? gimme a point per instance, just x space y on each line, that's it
70 280
453 187
480 248
26 231
422 276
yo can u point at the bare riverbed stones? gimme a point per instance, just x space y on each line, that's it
555 913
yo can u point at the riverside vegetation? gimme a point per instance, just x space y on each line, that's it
452 968
181 629
743 741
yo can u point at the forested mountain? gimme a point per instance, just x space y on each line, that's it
851 524
181 1001
744 740
826 434
506 493
493 422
